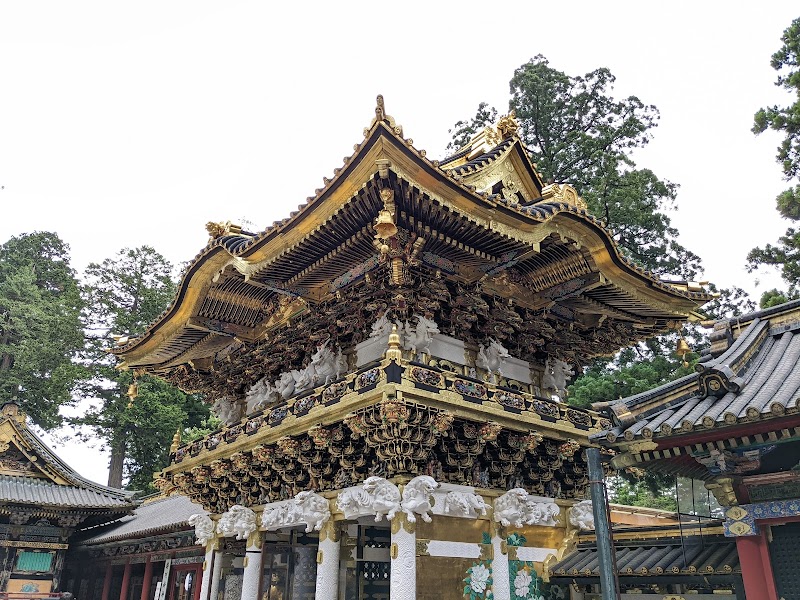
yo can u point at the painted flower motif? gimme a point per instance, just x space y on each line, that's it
480 575
522 584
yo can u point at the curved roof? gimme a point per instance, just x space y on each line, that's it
229 289
155 516
31 474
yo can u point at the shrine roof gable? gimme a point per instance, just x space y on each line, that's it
30 473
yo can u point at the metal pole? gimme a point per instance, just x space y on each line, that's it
602 527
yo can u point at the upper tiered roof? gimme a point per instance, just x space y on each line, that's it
484 248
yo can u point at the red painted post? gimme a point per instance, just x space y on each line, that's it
148 579
766 563
759 584
126 582
107 582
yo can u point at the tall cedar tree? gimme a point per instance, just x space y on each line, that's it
40 325
578 133
785 254
123 295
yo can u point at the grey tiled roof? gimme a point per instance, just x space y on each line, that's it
757 377
654 559
41 492
161 515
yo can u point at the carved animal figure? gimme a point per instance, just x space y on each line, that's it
261 394
418 338
227 411
354 502
203 527
417 498
278 516
385 497
239 521
286 384
326 366
492 357
541 513
556 373
312 509
462 504
381 327
510 508
581 515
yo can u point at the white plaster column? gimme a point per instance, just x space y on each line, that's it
328 562
216 574
208 567
252 567
501 586
403 552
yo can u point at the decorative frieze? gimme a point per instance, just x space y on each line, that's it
238 521
516 507
307 508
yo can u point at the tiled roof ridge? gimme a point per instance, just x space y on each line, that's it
47 493
765 313
68 472
145 513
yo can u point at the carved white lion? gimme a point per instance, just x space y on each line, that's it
279 516
312 509
510 508
417 498
262 394
286 384
203 527
376 496
239 521
354 502
541 513
381 327
461 504
581 515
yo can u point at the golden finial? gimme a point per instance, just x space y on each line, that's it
507 125
217 230
682 350
132 393
176 442
394 352
380 115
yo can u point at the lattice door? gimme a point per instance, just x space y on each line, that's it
785 553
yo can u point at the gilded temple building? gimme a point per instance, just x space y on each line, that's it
389 363
734 424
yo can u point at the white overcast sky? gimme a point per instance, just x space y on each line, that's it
124 124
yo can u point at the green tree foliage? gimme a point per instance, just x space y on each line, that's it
773 297
123 295
40 325
637 492
785 254
578 133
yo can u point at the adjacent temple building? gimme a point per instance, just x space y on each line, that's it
389 363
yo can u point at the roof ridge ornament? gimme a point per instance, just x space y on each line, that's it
507 125
380 115
563 193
